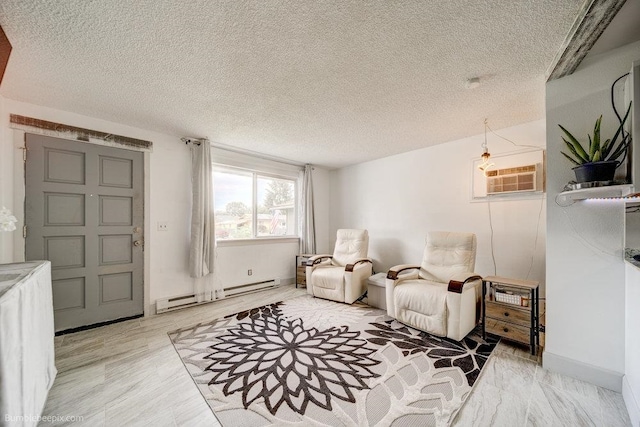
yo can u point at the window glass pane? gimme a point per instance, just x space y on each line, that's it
276 207
233 203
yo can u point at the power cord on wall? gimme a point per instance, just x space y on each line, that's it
579 235
535 242
493 255
615 110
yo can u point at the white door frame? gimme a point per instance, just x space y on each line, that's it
19 200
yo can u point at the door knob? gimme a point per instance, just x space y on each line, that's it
137 243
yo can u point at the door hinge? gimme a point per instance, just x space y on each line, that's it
24 232
24 153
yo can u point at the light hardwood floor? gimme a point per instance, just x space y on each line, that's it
128 374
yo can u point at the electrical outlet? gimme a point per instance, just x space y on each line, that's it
249 272
163 226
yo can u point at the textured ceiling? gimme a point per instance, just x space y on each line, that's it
327 82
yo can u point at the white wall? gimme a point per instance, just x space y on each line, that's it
266 259
631 383
402 197
585 271
168 175
6 183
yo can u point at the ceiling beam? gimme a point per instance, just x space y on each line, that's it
5 51
593 19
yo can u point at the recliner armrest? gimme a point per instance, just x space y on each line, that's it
396 270
350 267
317 259
457 284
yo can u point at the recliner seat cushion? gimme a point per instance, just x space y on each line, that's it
423 305
328 277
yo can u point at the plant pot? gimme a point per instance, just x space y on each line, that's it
596 171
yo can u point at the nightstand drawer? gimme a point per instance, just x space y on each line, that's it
301 275
508 330
508 314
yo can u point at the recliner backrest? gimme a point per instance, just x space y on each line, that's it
446 254
351 245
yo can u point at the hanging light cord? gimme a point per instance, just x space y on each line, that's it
484 144
486 125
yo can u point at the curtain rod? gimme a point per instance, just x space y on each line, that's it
219 146
194 141
256 154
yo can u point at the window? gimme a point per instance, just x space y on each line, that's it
251 204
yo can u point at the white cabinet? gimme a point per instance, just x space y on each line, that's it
27 359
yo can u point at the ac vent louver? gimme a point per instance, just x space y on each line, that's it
512 180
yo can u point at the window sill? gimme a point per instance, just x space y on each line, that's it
257 241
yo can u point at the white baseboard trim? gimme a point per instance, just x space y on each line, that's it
152 309
583 371
631 401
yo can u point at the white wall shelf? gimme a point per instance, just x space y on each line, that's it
611 191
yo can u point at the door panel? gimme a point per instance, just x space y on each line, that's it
63 209
64 251
116 249
116 210
84 212
116 287
69 294
116 172
64 166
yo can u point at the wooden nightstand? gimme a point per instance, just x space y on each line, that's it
301 269
511 309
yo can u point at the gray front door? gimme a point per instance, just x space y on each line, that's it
84 213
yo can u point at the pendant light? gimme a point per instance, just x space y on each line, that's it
485 165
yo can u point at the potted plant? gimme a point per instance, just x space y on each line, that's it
599 161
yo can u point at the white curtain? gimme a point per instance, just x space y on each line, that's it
202 251
307 223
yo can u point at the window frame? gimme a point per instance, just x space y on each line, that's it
255 174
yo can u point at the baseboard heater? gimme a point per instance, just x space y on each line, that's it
175 303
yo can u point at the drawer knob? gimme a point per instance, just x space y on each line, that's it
506 329
506 314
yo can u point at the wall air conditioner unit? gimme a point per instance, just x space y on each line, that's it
520 179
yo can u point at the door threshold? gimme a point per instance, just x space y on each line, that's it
97 325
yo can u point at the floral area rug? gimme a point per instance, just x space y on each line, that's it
312 362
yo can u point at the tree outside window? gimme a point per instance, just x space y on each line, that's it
250 204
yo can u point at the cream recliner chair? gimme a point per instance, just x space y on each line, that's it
441 296
342 276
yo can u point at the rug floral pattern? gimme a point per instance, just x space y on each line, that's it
308 361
